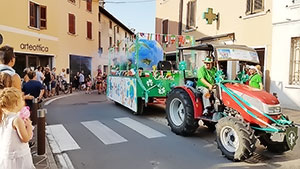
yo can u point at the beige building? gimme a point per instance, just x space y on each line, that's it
112 33
250 21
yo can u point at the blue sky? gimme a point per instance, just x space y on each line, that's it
140 16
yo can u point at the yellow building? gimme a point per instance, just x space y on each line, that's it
57 33
250 21
112 33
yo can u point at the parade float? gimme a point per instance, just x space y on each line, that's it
150 77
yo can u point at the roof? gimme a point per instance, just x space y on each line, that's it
114 19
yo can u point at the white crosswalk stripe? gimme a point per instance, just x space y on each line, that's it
60 139
104 133
140 128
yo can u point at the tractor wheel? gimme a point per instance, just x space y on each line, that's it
210 125
140 106
273 146
180 113
235 138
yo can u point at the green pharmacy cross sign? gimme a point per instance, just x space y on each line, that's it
210 16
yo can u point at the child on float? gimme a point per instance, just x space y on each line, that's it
15 132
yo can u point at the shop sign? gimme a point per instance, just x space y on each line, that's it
35 48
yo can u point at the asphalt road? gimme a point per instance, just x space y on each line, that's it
91 132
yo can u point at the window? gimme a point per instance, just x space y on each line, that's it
105 68
89 5
110 24
38 16
99 17
165 26
72 23
89 29
125 34
73 1
254 6
99 42
110 42
191 14
118 29
295 62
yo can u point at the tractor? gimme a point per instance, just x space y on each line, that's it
241 115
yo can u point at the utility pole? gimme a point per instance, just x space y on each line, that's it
180 17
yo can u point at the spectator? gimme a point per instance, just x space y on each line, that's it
63 74
76 81
7 61
15 132
99 81
88 86
39 74
5 80
47 82
34 88
81 80
53 81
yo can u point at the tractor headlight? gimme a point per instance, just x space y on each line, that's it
272 109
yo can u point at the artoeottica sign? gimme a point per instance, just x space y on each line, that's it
35 48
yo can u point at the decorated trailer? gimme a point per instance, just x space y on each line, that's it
141 75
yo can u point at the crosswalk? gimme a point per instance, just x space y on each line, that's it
61 140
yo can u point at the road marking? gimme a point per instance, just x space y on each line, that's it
140 128
63 139
105 134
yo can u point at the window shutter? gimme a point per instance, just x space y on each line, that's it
89 30
99 36
72 23
43 19
258 5
89 5
32 15
248 7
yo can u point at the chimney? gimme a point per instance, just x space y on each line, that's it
101 3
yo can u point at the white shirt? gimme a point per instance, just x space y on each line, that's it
40 76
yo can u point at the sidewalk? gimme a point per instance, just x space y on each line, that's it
294 115
46 161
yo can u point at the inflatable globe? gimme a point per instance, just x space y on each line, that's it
150 53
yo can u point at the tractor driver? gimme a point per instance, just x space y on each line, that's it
206 81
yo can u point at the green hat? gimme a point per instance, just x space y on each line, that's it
208 60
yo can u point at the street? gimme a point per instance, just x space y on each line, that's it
91 132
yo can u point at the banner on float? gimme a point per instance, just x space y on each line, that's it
123 91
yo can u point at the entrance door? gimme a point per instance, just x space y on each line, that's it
32 61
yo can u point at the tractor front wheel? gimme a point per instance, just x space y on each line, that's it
180 113
235 138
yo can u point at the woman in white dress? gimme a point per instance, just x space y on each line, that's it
15 132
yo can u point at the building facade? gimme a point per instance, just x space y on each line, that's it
285 73
249 20
111 33
57 33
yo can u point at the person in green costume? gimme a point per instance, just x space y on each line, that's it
255 78
206 81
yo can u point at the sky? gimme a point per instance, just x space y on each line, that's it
140 16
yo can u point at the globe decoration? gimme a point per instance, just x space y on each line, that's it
150 53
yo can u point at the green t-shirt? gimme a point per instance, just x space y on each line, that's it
208 75
255 80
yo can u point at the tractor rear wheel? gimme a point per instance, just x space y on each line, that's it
235 138
180 113
273 146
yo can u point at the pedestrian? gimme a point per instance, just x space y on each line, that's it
99 81
81 80
88 85
255 79
39 74
34 88
7 61
15 132
76 81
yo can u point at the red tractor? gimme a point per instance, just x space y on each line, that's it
241 114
